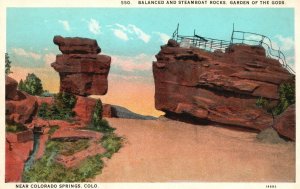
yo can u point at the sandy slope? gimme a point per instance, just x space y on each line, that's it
166 151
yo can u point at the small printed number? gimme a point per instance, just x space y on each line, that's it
125 2
270 186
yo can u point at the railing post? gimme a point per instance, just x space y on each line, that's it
261 41
243 37
232 34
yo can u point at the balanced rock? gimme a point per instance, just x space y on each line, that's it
76 45
285 123
82 71
216 86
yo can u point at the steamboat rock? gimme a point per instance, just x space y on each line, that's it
220 87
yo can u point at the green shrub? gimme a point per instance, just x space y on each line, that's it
61 109
286 98
103 127
97 123
15 127
31 85
262 102
97 113
52 130
112 143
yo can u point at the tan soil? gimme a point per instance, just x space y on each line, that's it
167 151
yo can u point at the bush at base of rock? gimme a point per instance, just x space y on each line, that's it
97 123
102 126
15 127
112 143
61 109
286 98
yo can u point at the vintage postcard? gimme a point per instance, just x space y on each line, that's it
155 93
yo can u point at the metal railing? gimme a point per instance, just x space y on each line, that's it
250 38
237 37
205 43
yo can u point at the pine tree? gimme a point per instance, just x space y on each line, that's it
97 114
21 85
7 64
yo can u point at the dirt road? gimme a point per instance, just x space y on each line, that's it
170 151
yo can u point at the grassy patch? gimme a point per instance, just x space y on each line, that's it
52 130
112 143
68 148
102 126
47 169
14 128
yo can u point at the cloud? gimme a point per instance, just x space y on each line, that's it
141 62
140 33
49 58
94 26
163 37
285 43
130 30
120 34
65 24
290 60
28 54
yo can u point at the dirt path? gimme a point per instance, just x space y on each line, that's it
168 151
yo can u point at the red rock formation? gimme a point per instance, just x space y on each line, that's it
219 87
84 109
77 45
10 88
16 155
107 111
285 123
82 71
20 107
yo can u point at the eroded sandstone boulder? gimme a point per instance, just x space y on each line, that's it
76 45
84 109
10 88
20 107
21 110
81 69
216 86
285 123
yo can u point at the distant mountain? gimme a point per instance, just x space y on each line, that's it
121 112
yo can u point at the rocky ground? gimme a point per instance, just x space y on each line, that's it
167 151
